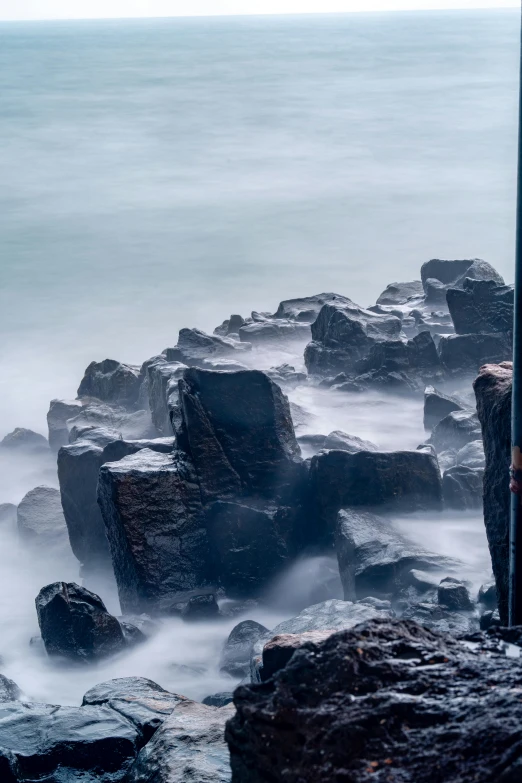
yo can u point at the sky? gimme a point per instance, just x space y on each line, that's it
94 9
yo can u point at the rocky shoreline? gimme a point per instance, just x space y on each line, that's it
191 484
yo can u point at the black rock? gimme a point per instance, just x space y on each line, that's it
112 382
219 699
8 516
201 607
456 430
454 596
493 393
462 487
344 333
151 506
386 700
417 357
437 406
375 560
189 746
194 346
487 595
21 439
462 354
481 307
406 480
441 619
249 545
400 293
237 652
75 624
40 519
454 273
9 690
143 702
238 430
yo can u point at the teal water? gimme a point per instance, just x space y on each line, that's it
160 174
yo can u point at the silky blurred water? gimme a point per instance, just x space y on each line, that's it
164 173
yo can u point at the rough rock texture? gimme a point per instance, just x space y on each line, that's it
306 309
274 332
162 384
375 560
40 519
237 652
454 272
400 479
493 393
481 306
194 346
415 358
220 699
21 439
437 406
189 746
343 442
249 546
112 382
399 293
471 455
462 487
60 411
135 424
384 701
9 690
75 624
455 430
464 354
343 333
278 651
454 595
152 510
238 430
487 595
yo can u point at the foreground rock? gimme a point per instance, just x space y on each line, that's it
481 306
75 624
189 746
493 393
386 700
151 505
41 521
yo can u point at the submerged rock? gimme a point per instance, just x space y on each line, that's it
343 442
219 699
75 624
21 439
493 393
40 519
384 700
60 411
8 516
112 382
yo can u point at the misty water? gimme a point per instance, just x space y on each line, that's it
162 174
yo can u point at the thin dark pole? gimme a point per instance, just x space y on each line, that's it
515 527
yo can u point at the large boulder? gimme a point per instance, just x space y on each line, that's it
237 651
23 440
40 519
464 354
437 406
481 306
453 273
75 623
493 393
416 358
238 431
112 382
8 516
189 746
151 505
375 560
274 331
405 480
344 333
455 430
384 701
400 293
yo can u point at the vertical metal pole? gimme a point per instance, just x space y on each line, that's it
515 527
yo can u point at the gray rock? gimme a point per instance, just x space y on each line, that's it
400 293
454 273
151 506
471 455
60 411
40 519
437 406
231 326
481 306
307 309
456 430
111 381
163 395
415 359
462 487
9 690
464 354
21 439
8 516
487 595
194 346
201 608
219 699
237 652
189 746
274 332
493 393
454 596
441 619
341 441
375 560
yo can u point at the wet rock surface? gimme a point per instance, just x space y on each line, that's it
437 406
237 652
386 700
112 382
481 306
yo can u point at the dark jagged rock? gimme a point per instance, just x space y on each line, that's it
456 430
152 510
272 331
112 382
219 699
189 746
278 651
60 411
40 519
249 546
306 309
406 480
237 652
75 624
462 354
400 293
462 487
21 439
344 333
487 595
43 742
201 607
386 700
493 393
417 357
455 596
454 273
194 346
375 560
8 516
437 406
143 702
481 306
231 326
238 430
9 690
163 395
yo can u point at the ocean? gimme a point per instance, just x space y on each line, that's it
164 173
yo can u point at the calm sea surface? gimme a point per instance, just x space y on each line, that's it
160 174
